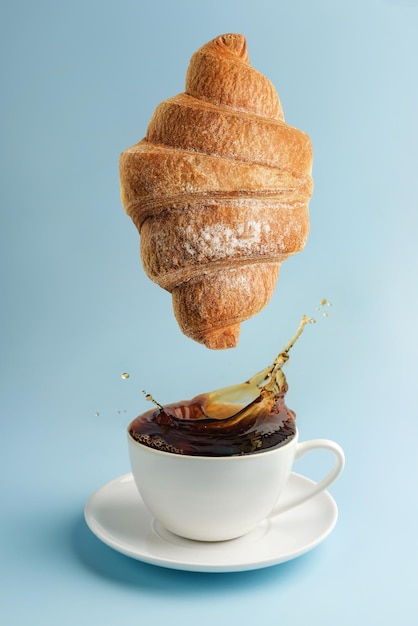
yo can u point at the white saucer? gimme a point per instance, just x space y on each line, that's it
116 514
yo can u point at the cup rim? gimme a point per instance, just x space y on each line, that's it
196 457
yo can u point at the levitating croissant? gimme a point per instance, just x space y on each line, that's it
219 191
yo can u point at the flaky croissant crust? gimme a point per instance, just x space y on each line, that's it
219 191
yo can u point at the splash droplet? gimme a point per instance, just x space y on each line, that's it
97 414
149 397
324 302
124 375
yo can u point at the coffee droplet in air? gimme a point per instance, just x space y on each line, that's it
149 397
125 375
324 302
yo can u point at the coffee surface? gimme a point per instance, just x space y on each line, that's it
196 427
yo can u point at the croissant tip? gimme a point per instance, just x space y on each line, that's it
223 338
233 43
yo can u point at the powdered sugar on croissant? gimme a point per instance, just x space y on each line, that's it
219 191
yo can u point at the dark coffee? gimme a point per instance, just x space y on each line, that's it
186 428
243 419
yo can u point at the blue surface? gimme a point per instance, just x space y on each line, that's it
80 81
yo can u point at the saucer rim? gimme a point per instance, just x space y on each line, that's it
179 563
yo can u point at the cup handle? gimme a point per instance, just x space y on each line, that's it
301 450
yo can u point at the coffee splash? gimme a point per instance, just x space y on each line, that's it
241 419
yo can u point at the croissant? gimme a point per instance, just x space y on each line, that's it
219 191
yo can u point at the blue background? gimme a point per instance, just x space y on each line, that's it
80 81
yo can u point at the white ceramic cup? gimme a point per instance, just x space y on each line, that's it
220 498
